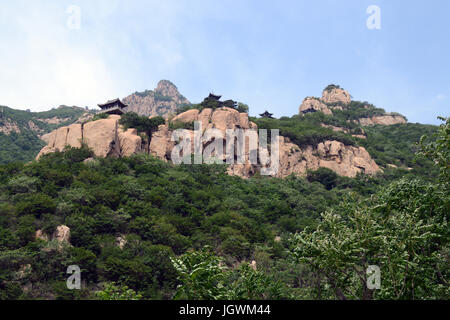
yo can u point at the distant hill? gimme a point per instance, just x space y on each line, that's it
20 130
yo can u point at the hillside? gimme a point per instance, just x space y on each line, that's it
132 220
105 194
20 131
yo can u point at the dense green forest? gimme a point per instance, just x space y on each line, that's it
190 231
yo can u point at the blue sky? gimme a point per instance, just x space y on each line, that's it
268 54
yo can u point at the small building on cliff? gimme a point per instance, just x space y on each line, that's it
113 107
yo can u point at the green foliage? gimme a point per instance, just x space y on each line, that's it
357 110
19 147
405 246
325 176
162 215
331 87
305 130
438 150
402 229
175 125
115 292
141 123
397 144
204 277
214 104
242 107
201 276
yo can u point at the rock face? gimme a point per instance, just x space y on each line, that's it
336 96
7 127
386 120
104 136
61 234
344 160
220 119
34 127
332 98
162 101
129 141
314 104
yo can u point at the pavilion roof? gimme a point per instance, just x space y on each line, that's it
111 103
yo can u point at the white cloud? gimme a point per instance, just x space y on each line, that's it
441 97
43 67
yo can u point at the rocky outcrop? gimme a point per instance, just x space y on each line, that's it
386 120
61 234
312 104
34 127
344 160
130 142
121 241
332 98
162 101
336 95
104 137
7 127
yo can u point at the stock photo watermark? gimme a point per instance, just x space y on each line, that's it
373 277
74 17
374 20
74 281
234 146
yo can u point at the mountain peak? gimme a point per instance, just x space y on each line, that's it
161 101
165 84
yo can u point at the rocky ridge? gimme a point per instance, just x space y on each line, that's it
332 98
386 120
336 98
106 138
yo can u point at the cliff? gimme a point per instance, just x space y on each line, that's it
106 138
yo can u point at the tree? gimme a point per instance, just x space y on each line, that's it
201 276
141 123
402 229
242 107
438 150
346 243
325 176
117 292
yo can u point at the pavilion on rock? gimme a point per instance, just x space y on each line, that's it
113 107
